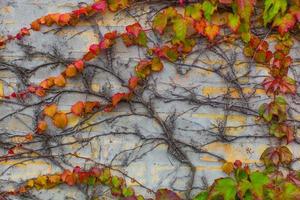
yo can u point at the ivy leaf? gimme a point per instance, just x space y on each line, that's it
243 186
227 167
156 65
234 22
165 194
90 106
225 1
50 110
79 64
141 40
211 31
42 126
201 196
71 71
134 29
115 5
116 98
225 188
78 108
160 22
284 23
180 28
194 11
68 177
60 81
208 9
272 8
258 182
133 82
127 191
100 6
60 120
64 19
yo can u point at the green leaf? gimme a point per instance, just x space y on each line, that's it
208 9
224 187
258 181
290 191
92 180
180 28
234 22
272 8
193 11
280 100
243 187
127 192
160 22
116 182
142 39
201 196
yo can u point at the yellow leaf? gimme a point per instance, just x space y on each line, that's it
227 167
30 183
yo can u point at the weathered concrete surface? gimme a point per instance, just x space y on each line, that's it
156 169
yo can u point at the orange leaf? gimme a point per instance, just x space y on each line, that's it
211 31
88 56
50 110
60 120
40 92
200 26
60 81
78 108
64 19
29 137
116 98
111 35
71 71
55 17
79 64
47 83
35 25
90 106
133 82
68 177
42 126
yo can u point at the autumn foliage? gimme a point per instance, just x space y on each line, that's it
181 30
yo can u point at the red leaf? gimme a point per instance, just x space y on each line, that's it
225 1
111 35
100 6
95 49
134 29
11 151
79 64
133 82
165 194
80 11
25 31
116 98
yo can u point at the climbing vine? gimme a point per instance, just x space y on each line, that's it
181 26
